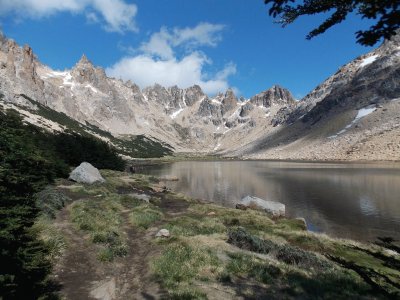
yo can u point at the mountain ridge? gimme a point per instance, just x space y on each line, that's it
191 121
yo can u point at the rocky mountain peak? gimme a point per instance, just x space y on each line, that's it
84 60
85 71
229 101
275 95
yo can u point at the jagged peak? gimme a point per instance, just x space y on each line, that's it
84 62
84 59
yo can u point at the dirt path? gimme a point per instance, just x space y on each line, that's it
77 269
83 276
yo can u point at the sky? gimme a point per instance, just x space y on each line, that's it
216 44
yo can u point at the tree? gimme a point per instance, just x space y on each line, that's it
386 13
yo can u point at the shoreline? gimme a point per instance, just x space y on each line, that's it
211 251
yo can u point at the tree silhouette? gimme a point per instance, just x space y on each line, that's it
386 14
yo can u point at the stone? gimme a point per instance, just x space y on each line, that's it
164 233
86 173
275 208
143 197
303 221
241 206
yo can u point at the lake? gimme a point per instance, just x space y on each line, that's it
348 200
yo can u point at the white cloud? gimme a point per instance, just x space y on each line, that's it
116 15
158 62
162 42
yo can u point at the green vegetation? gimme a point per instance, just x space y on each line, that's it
25 169
142 146
145 215
32 158
181 264
102 220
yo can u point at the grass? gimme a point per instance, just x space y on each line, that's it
50 235
180 265
195 225
145 215
102 220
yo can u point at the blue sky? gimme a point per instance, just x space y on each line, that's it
214 43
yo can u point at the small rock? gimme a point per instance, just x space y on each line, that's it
143 197
163 233
241 206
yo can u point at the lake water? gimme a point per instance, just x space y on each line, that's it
357 201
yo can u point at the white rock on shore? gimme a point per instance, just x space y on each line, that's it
272 207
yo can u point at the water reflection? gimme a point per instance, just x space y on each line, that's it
347 200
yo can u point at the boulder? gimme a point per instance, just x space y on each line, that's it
272 207
163 233
86 173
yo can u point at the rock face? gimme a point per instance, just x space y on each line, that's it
86 173
272 207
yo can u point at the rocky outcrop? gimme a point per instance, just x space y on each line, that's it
274 95
86 173
229 102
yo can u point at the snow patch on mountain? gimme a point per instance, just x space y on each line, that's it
369 60
361 114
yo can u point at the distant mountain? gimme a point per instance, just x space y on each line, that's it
329 123
353 115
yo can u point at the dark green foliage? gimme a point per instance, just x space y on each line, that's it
75 149
141 146
24 170
244 240
285 253
49 201
386 14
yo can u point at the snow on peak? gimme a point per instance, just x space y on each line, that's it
369 60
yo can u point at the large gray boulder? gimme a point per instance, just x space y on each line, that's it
86 173
272 207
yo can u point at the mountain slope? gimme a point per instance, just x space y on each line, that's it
353 115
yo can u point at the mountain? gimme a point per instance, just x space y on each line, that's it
186 119
352 115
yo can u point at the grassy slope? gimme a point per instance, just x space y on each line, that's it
217 252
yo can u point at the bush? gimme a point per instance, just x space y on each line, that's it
49 201
244 240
